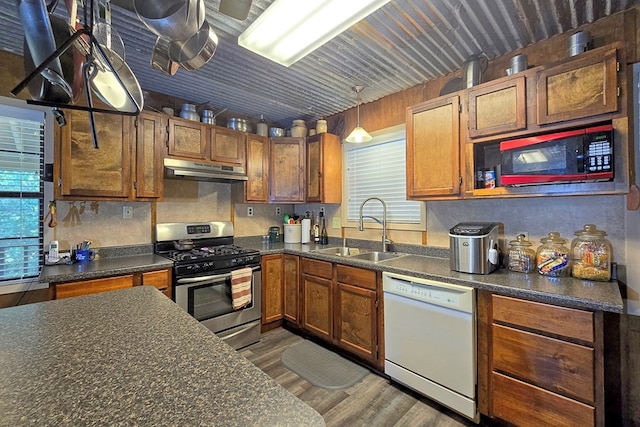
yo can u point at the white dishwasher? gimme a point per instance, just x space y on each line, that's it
430 340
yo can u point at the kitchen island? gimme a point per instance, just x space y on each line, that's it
130 357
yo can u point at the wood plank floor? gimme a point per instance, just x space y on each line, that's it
372 402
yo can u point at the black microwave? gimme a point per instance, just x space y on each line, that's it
582 155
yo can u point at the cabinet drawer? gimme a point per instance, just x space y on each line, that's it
356 276
86 287
562 321
523 404
160 279
555 365
317 268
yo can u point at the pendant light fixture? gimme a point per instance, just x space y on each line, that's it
358 134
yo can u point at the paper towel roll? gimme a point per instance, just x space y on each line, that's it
306 230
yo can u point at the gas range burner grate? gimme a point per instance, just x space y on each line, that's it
207 253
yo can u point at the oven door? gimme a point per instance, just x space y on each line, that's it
208 299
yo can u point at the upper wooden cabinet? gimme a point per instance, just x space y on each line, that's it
286 170
582 87
149 151
256 188
227 146
497 107
433 147
86 172
324 169
187 138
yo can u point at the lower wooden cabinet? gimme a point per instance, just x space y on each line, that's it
291 285
272 281
317 301
540 364
161 279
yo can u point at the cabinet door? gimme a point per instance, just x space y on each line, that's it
86 287
257 185
161 279
497 108
324 169
286 170
150 137
291 288
87 172
187 138
357 321
583 87
433 160
228 146
272 278
317 306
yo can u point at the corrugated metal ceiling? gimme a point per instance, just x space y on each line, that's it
403 44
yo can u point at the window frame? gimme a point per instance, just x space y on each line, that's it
379 137
32 283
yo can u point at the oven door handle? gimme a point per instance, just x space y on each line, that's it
212 279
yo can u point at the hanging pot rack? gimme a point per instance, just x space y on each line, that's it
95 57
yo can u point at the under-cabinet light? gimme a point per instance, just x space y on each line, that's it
288 30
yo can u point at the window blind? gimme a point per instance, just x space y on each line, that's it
380 171
21 192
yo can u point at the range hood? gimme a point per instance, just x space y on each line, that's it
200 171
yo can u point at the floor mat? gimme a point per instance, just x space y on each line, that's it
322 367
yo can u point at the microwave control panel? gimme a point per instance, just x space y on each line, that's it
599 152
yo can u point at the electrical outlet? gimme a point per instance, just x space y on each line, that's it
249 210
336 222
127 212
278 211
322 210
525 233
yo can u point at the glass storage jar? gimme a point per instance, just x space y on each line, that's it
520 256
553 257
299 128
591 254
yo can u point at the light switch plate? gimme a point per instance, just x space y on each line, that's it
127 212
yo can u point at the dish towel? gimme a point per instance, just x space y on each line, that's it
241 287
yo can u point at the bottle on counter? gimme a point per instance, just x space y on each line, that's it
591 254
520 256
324 237
553 257
316 230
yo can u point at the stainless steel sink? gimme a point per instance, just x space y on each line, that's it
377 256
341 251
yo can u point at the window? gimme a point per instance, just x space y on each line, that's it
378 169
21 192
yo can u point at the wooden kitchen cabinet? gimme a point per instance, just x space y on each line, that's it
496 108
357 312
272 289
256 188
227 146
291 285
433 149
86 172
584 86
187 138
317 301
324 169
286 170
126 166
86 287
150 137
543 364
161 279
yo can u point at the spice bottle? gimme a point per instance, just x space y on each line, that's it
591 254
520 255
553 257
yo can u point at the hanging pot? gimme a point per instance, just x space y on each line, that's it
473 68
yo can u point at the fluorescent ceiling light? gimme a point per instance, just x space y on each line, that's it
288 30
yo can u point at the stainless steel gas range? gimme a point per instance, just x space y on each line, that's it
206 268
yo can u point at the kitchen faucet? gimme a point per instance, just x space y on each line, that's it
383 222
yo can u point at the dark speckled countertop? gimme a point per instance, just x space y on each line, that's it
130 357
433 263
